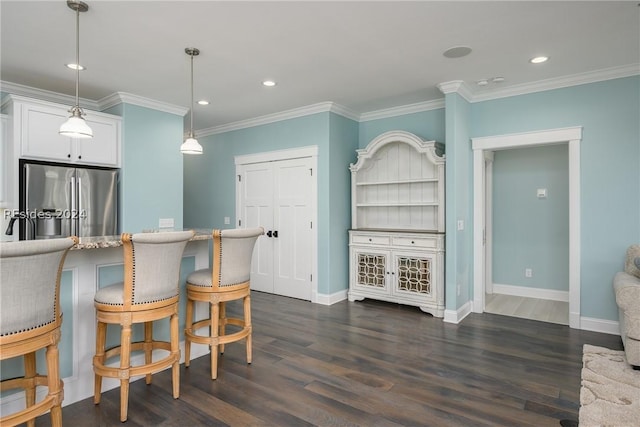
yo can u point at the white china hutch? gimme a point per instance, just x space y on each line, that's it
396 244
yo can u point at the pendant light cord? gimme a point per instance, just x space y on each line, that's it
191 115
77 58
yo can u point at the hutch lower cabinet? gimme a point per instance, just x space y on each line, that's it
396 244
406 268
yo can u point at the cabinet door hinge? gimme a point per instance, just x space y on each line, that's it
311 171
239 222
239 178
311 224
311 278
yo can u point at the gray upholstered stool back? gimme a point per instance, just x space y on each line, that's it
156 259
232 251
30 283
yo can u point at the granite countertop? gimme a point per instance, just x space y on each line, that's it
98 242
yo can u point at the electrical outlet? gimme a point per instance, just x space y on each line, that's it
458 290
227 220
460 224
528 272
165 223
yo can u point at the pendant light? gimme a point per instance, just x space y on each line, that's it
76 126
191 145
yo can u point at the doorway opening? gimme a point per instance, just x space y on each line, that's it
482 146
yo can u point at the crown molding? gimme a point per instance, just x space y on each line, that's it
45 95
456 86
402 110
140 101
321 107
560 82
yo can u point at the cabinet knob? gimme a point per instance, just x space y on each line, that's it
68 156
369 239
79 157
412 242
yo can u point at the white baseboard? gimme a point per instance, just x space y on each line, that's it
456 316
540 293
330 299
600 325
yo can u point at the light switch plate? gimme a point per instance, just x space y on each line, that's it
542 193
165 223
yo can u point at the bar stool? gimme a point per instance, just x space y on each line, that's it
227 280
30 319
150 292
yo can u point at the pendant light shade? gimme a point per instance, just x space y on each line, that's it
191 144
76 126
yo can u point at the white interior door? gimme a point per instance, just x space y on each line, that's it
255 187
292 227
279 195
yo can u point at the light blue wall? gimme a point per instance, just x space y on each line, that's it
458 184
609 113
343 135
429 125
151 175
209 179
529 232
209 185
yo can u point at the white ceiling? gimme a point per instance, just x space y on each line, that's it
363 55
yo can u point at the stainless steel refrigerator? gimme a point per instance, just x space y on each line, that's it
62 200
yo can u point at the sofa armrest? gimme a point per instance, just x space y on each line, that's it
627 290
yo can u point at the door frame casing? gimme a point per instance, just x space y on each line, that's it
571 136
289 154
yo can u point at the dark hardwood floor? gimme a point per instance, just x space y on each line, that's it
367 364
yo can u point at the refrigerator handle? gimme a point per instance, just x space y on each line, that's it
72 184
76 214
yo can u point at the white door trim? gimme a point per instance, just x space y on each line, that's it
288 154
571 136
270 156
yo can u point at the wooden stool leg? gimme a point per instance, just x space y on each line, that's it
189 328
223 324
215 318
53 378
30 389
125 364
148 347
98 359
175 350
247 325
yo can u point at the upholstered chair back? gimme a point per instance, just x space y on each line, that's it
152 265
232 251
30 273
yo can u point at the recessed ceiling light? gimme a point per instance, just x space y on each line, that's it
457 52
75 67
539 59
269 83
203 102
482 82
497 79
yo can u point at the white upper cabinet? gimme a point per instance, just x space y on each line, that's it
38 124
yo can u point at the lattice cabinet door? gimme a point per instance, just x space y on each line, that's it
414 275
371 270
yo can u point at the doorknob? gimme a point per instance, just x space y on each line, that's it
269 233
275 234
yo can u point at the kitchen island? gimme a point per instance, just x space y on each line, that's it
93 263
